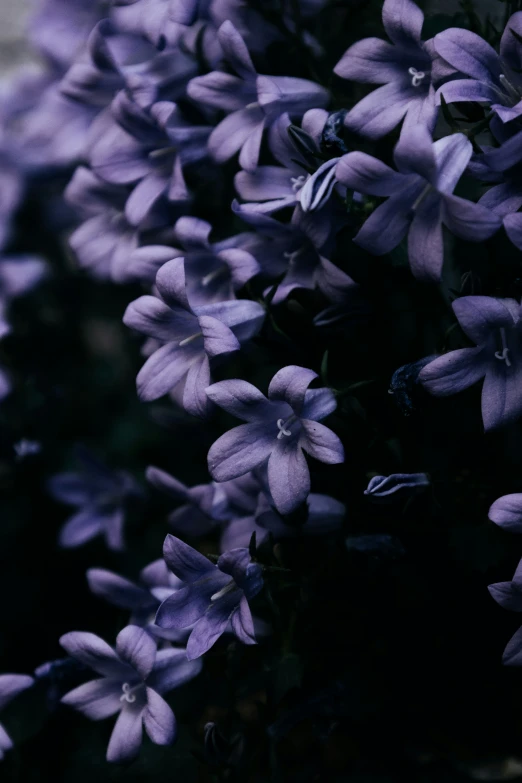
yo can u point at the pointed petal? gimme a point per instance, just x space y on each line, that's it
240 450
501 398
365 174
81 527
321 443
242 623
241 399
403 21
288 475
95 653
454 372
425 244
469 53
149 315
96 699
507 512
135 646
117 590
126 737
217 337
371 60
158 719
184 561
172 669
290 385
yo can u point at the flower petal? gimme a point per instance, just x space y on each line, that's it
158 719
467 220
184 561
241 449
135 646
379 112
454 372
425 244
321 443
11 685
126 737
501 398
242 623
288 475
117 590
241 399
290 385
172 669
96 699
468 53
507 512
403 21
371 60
365 174
95 653
81 527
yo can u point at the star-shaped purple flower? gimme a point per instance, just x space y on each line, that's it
278 429
495 78
190 337
495 326
215 597
404 67
133 678
253 102
419 199
214 271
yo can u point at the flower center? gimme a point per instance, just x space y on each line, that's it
221 271
417 77
298 182
418 201
190 339
282 427
503 355
129 693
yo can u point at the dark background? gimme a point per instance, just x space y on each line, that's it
392 671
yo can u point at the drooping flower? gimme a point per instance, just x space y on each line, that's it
403 66
278 429
397 485
10 686
495 78
253 102
101 495
214 271
419 199
133 678
495 326
190 337
215 597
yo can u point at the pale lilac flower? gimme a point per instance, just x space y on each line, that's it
10 686
419 199
253 102
495 326
101 495
215 597
133 678
495 78
508 594
190 337
403 66
278 429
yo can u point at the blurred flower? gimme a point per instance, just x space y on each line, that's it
10 686
396 486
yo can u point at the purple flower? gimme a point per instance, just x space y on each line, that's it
10 686
404 67
495 79
203 506
215 596
252 101
11 189
494 325
271 188
105 240
324 515
278 429
503 166
100 495
419 199
190 337
213 271
298 250
133 677
141 599
507 512
397 485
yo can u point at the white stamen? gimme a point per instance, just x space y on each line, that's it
282 432
509 88
503 355
417 77
212 275
224 590
190 339
254 105
297 182
422 196
128 694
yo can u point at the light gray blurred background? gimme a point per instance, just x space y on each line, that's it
13 49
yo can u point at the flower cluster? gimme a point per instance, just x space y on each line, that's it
238 202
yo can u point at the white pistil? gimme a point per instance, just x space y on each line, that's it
282 432
190 339
422 196
509 88
128 693
224 591
417 77
212 275
294 254
297 182
503 355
